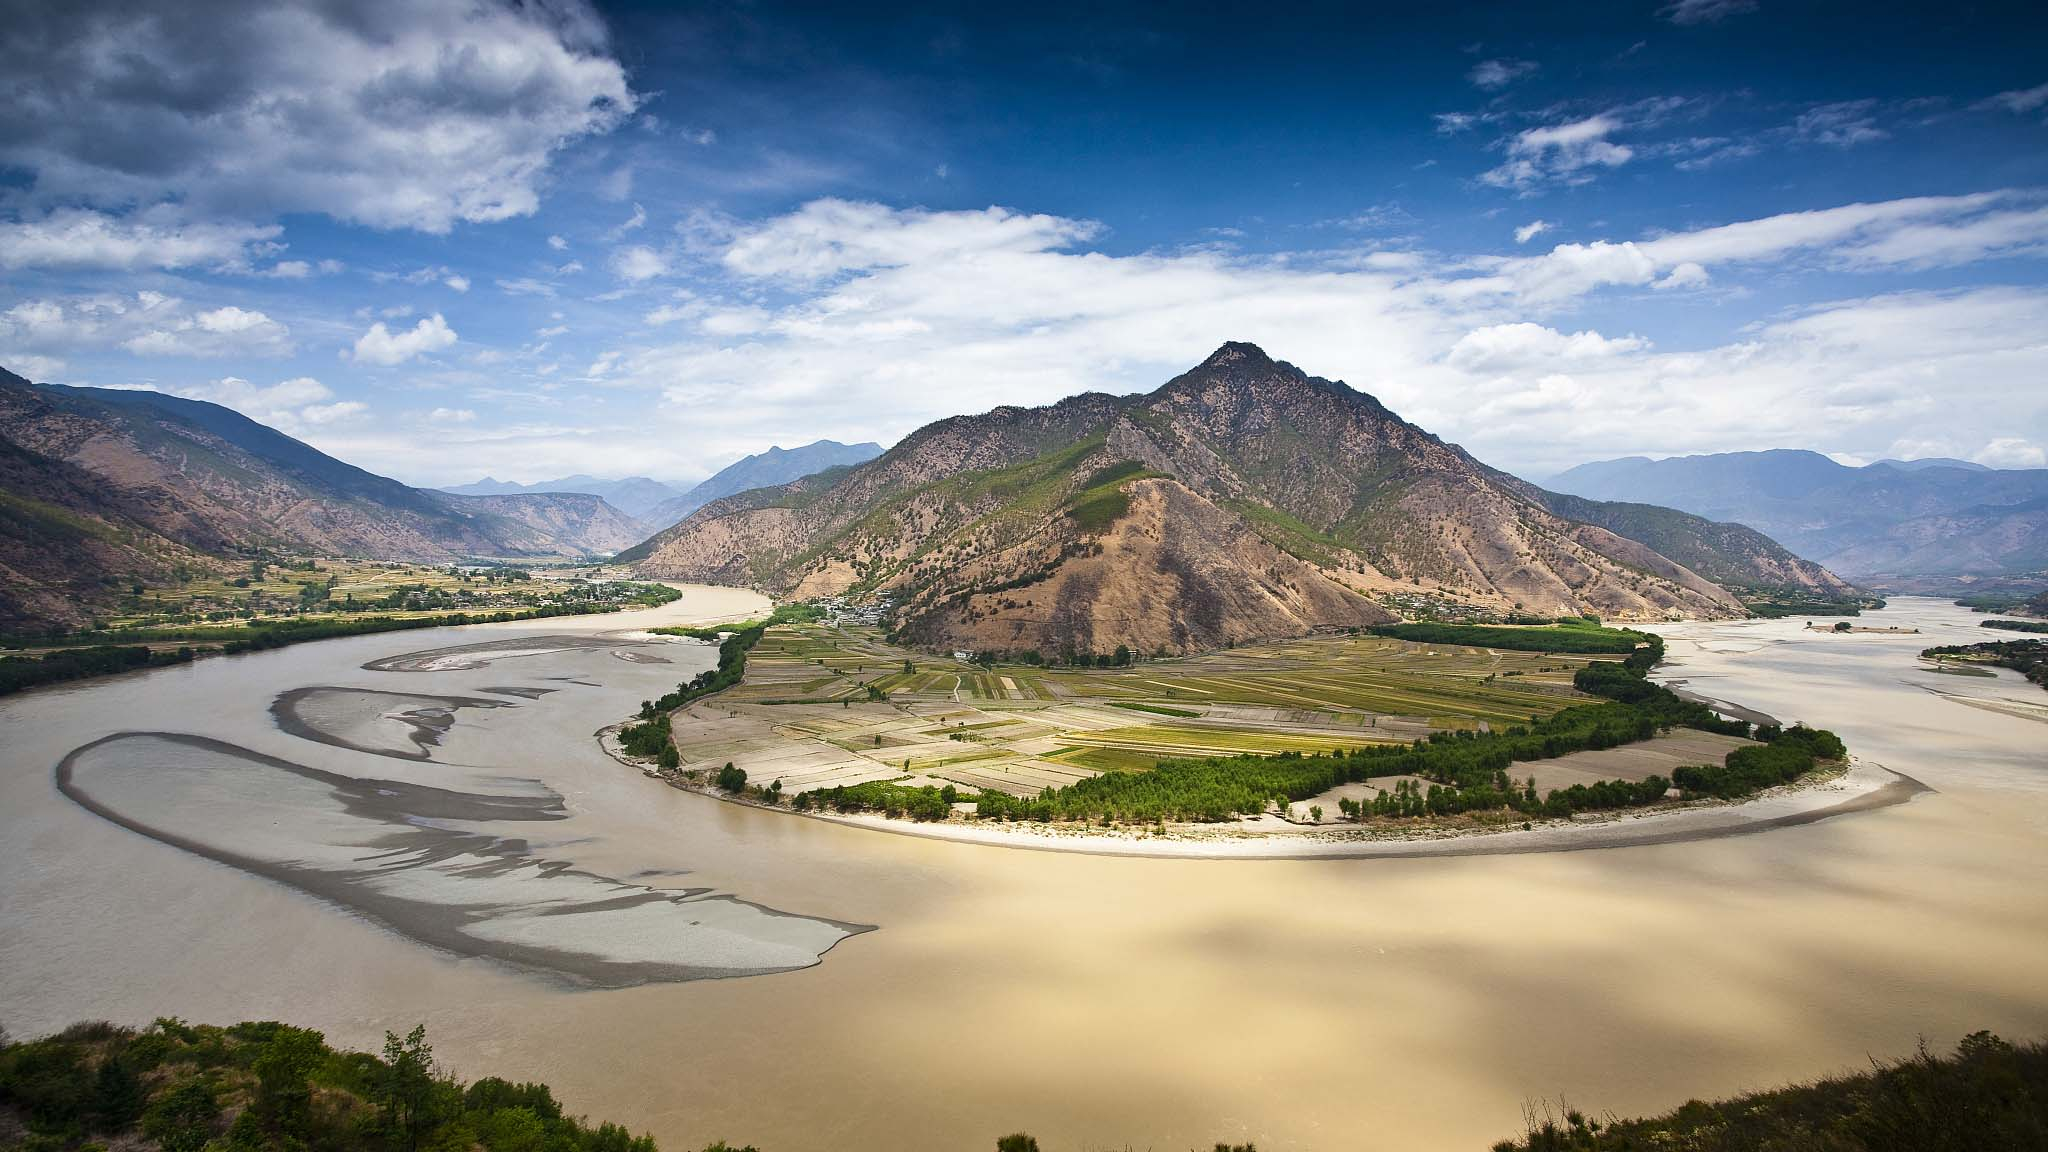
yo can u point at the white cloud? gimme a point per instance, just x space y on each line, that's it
526 286
1493 75
2021 100
1531 230
883 319
145 323
289 270
290 406
557 243
225 331
1921 231
380 346
457 283
637 220
638 263
2012 452
452 416
828 237
413 115
1565 153
1842 125
30 366
79 238
1705 11
1500 347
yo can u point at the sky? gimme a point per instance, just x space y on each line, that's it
443 239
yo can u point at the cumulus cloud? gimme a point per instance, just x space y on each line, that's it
381 346
1506 346
2012 452
1531 230
220 332
1565 153
638 264
1705 11
144 323
290 406
1493 75
413 115
880 319
80 238
457 283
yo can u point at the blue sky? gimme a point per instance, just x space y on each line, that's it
449 238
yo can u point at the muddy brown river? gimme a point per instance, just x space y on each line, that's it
365 834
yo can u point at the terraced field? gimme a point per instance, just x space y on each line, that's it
824 706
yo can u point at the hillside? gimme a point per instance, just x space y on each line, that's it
1242 499
102 486
761 470
1903 518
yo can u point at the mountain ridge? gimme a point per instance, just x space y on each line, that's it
1922 518
1293 501
132 485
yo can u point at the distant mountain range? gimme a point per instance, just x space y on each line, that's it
657 505
1243 499
99 487
1892 518
762 470
634 495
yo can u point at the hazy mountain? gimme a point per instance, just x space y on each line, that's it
1920 517
103 485
1932 462
634 495
1242 499
761 470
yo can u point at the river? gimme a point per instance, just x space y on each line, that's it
549 914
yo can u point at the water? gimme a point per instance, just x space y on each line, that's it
1094 1001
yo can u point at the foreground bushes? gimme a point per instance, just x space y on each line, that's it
261 1086
1988 1095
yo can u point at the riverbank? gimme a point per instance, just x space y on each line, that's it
1823 794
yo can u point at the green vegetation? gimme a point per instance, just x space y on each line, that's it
1780 606
1788 755
891 799
1989 1094
1154 709
255 1087
19 672
2029 658
1992 601
1571 635
2015 625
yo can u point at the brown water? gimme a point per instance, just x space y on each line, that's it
1096 1002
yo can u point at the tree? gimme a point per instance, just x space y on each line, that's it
909 667
1017 1142
1122 659
406 1094
284 1093
731 779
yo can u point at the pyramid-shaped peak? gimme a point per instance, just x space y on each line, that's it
1238 353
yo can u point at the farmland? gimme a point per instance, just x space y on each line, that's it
824 706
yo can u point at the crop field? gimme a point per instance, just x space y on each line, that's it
837 705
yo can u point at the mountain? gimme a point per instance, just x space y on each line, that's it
100 486
1931 462
761 470
634 495
1912 518
1243 499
